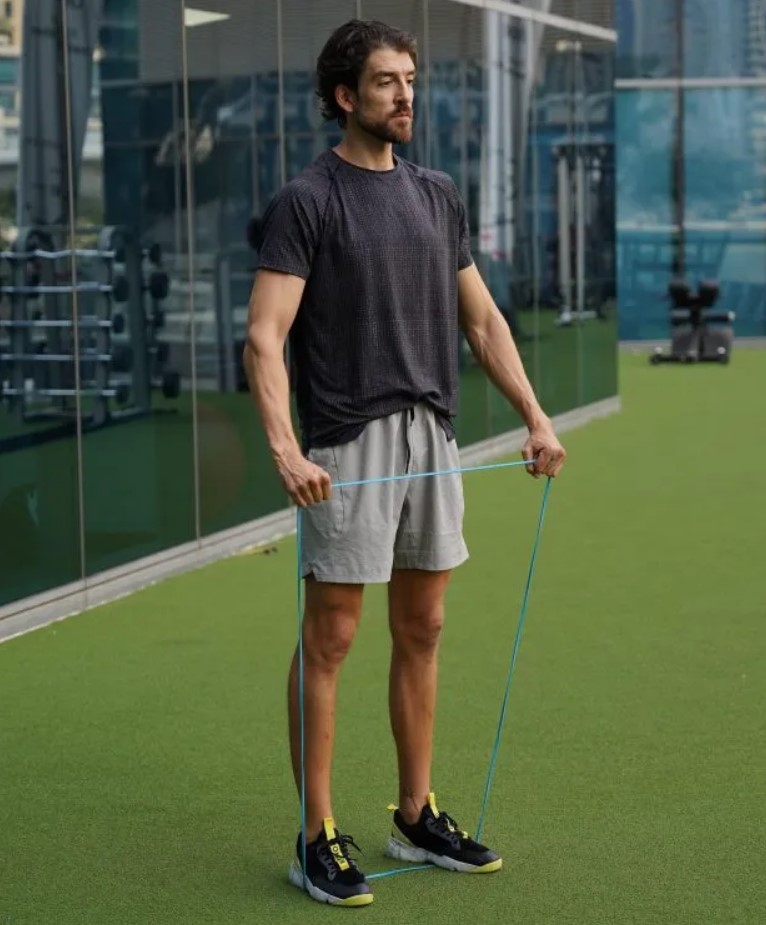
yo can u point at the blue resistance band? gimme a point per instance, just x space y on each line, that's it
511 669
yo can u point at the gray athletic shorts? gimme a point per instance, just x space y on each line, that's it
363 532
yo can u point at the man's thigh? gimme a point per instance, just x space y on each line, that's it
430 534
350 538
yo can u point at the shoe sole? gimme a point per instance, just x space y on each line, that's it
400 852
295 876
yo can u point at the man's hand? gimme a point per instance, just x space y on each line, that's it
544 448
305 482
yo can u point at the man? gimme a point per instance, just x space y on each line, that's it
365 263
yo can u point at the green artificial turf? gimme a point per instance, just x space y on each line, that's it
143 768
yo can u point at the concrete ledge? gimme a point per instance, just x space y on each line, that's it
40 610
513 440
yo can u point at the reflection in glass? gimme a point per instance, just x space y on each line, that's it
518 115
725 199
689 38
648 38
234 87
39 504
138 493
574 165
722 39
645 210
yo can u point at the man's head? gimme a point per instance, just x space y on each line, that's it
365 75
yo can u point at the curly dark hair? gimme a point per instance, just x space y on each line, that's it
344 55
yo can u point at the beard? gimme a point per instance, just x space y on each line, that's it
389 130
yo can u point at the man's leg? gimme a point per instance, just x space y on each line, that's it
416 616
330 621
420 831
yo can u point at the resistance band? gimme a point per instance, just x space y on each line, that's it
511 668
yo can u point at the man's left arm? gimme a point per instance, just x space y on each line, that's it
491 342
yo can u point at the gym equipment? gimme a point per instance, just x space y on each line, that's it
117 324
698 334
44 341
582 253
122 358
171 384
153 254
120 289
159 285
120 392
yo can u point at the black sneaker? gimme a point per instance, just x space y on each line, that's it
331 875
437 838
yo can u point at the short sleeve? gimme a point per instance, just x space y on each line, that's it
290 232
464 256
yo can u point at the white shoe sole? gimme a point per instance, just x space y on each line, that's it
400 851
295 876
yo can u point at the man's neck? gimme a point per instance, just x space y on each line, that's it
367 152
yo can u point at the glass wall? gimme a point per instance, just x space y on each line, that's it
691 110
40 526
125 423
690 38
138 468
645 210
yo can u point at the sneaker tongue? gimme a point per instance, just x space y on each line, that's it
329 828
432 804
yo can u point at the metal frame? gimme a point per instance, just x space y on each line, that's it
549 19
688 83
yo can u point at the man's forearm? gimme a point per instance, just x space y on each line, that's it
270 388
494 348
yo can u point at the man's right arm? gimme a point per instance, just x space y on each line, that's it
273 306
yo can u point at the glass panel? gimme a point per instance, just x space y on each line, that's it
39 504
648 38
119 39
307 25
234 106
137 441
718 38
561 121
723 39
725 200
595 12
234 85
511 47
455 84
595 194
646 233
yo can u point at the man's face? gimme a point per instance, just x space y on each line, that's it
385 95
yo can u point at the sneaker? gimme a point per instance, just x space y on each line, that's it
331 875
437 838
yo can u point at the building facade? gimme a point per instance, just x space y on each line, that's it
691 142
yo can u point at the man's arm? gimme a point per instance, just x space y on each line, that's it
273 306
490 339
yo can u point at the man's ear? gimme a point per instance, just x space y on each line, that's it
345 98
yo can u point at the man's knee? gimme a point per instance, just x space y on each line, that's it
416 610
330 624
418 630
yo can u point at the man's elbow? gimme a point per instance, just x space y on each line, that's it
260 344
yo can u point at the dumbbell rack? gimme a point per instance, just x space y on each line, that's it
42 340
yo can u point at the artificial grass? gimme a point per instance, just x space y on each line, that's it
143 766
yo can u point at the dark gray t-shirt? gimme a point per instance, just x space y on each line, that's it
377 328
